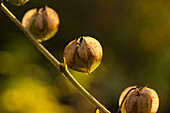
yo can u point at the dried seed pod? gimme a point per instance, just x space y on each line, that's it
83 55
43 24
145 100
17 2
125 93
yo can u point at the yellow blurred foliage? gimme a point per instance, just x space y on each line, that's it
27 95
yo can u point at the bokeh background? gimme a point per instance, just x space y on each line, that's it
135 35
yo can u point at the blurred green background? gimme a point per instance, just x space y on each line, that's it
135 36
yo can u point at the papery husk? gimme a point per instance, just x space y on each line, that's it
43 24
145 100
83 55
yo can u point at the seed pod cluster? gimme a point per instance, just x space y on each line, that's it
17 2
145 100
42 24
83 54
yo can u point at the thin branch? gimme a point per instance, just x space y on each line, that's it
55 62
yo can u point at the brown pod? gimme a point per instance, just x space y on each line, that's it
145 100
42 24
83 55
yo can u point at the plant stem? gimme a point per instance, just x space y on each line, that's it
55 62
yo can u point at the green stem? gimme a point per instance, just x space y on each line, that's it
55 62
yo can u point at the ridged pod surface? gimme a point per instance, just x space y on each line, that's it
145 100
83 54
42 24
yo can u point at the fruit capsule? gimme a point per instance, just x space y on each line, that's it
42 24
145 100
83 54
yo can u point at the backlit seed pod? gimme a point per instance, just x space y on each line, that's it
145 100
83 54
17 2
42 24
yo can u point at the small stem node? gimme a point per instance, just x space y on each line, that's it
62 67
